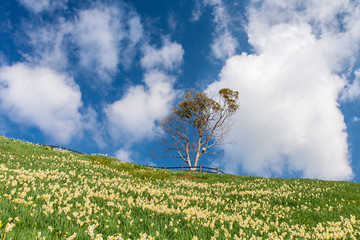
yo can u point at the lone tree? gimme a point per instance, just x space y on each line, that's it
197 124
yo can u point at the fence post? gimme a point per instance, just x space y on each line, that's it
200 168
182 168
217 170
165 167
147 165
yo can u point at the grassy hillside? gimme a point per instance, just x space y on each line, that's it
55 194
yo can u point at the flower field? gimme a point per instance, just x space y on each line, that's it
52 194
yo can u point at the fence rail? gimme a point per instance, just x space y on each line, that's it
182 168
63 148
197 169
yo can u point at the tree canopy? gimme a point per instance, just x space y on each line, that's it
197 124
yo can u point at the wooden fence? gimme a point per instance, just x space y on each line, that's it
63 148
182 168
197 169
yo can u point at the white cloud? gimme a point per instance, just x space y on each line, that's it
135 29
43 98
172 23
42 5
96 35
352 90
96 40
124 155
35 5
196 13
334 23
169 57
48 46
224 44
106 37
289 118
132 118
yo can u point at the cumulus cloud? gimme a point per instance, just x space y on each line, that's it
48 45
196 13
289 118
42 5
124 155
172 22
96 36
352 90
77 44
355 119
133 117
135 29
104 36
107 36
96 40
169 57
43 98
224 44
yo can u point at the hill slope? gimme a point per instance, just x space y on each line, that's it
55 194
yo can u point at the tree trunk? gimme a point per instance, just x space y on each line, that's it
189 164
193 168
198 154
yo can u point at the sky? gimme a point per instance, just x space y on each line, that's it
96 76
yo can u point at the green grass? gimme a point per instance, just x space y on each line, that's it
50 193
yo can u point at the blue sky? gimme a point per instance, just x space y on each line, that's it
96 76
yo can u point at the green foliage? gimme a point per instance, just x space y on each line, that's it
198 109
195 108
230 98
198 124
